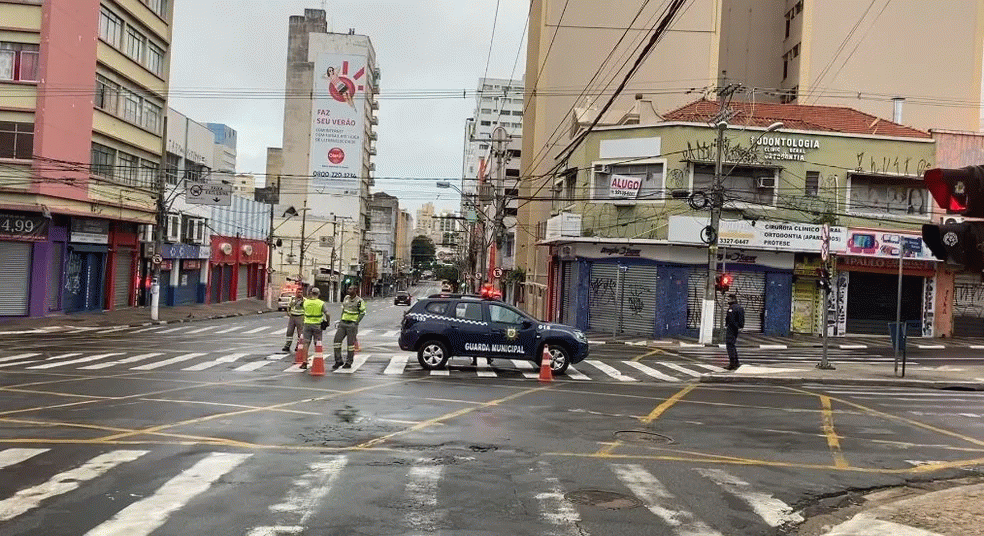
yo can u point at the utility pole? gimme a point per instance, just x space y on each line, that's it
717 200
501 140
300 264
826 276
269 267
155 285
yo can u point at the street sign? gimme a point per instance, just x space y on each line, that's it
327 241
497 273
158 259
219 195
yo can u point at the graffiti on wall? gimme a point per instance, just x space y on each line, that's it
929 306
968 300
605 292
731 151
897 165
837 306
73 274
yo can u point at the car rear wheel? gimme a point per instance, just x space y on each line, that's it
433 354
560 358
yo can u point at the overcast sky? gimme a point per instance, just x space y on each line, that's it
240 48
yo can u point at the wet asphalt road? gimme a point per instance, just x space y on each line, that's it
216 443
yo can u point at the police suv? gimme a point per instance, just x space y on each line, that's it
445 325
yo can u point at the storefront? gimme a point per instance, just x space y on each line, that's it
968 306
869 278
85 267
656 289
21 234
122 266
807 296
237 268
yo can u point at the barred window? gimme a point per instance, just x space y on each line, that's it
103 160
128 168
16 140
110 27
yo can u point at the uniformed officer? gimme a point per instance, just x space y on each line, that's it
315 311
734 321
353 311
295 319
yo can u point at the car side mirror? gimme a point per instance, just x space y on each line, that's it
526 324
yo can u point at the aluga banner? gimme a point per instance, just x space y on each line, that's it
338 123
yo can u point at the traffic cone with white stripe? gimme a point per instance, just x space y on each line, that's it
318 363
546 372
300 356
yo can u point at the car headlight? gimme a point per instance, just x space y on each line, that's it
579 335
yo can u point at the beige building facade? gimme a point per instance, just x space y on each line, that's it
816 52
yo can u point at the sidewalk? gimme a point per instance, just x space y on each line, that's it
957 510
769 342
137 316
867 374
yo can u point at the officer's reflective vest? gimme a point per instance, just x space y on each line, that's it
297 306
314 311
352 308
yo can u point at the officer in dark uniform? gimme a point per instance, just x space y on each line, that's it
734 321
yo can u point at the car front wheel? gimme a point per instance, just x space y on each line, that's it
560 358
433 354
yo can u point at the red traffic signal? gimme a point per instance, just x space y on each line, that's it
958 191
723 282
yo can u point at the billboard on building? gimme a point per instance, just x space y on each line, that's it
338 123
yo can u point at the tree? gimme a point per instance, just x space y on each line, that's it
422 252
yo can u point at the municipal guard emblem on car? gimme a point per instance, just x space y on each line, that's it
511 333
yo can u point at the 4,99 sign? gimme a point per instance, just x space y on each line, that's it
23 226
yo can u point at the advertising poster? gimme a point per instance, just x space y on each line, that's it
338 123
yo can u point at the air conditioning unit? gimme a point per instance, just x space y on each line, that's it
602 169
566 253
766 182
949 220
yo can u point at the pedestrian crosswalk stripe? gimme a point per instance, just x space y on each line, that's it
18 357
75 361
209 364
483 370
397 365
556 509
19 363
145 329
853 346
525 366
111 330
166 362
440 372
393 333
201 330
27 499
678 368
306 493
227 330
711 368
14 456
255 365
574 374
658 500
172 330
609 370
422 486
773 511
63 356
293 368
360 359
146 515
255 330
133 359
649 371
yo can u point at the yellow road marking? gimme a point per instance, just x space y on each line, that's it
448 416
52 393
607 449
647 354
209 403
828 429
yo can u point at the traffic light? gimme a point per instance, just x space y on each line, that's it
823 275
958 191
958 244
723 282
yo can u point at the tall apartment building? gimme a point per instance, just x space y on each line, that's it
329 139
498 103
224 158
814 52
384 213
80 165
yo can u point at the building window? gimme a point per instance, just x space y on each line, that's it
148 173
744 184
785 66
887 195
19 61
641 182
789 95
812 183
103 160
135 43
155 59
518 112
151 116
107 95
16 140
158 6
110 27
171 168
486 123
131 106
129 169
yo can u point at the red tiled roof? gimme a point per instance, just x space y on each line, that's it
796 117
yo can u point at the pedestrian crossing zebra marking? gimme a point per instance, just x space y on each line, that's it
75 361
201 330
146 515
30 498
133 359
255 365
15 456
357 362
773 511
658 500
18 357
609 370
397 365
209 364
306 493
422 484
166 362
227 330
651 372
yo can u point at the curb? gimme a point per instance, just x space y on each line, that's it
866 382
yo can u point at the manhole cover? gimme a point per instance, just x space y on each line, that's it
603 499
640 436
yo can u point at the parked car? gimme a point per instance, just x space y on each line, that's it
283 302
442 326
402 298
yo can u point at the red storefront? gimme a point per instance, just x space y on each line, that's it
121 266
238 269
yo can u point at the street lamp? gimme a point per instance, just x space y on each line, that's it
717 200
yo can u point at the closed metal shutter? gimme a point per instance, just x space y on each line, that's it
638 301
55 275
567 312
121 282
602 297
806 306
872 300
15 278
968 306
242 288
226 289
695 296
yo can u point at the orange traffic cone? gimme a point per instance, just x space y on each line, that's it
356 345
546 373
301 355
318 363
